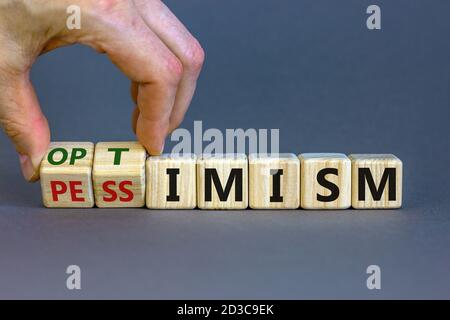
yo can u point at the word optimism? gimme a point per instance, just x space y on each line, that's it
120 174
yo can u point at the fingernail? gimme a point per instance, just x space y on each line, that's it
29 171
162 147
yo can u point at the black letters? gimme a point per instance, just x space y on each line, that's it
173 196
235 175
276 186
327 184
365 174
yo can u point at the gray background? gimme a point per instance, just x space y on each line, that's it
310 68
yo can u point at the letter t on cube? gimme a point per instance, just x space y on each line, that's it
119 174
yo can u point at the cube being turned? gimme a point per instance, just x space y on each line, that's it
119 174
325 181
274 181
376 181
222 181
66 175
171 181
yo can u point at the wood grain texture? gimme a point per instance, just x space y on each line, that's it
222 165
158 195
262 175
310 165
377 165
70 175
119 180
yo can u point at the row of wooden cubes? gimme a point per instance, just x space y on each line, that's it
119 174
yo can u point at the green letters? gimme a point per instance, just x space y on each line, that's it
118 154
51 154
77 153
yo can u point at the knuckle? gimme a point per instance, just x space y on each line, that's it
193 56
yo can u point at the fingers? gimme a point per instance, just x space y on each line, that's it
147 61
134 93
186 48
134 118
22 120
153 49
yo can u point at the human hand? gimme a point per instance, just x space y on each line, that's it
141 37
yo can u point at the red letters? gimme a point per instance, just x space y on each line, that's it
57 191
60 187
112 195
128 192
74 192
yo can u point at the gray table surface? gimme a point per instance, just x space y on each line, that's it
310 68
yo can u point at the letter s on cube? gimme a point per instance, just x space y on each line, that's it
325 181
66 175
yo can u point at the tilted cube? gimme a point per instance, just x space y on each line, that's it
66 175
119 174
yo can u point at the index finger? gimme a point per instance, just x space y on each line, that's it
146 60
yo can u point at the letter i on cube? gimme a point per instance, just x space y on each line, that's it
171 181
274 181
66 175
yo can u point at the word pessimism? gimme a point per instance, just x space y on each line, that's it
119 174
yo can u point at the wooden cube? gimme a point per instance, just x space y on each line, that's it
222 181
325 181
119 174
66 175
274 181
171 181
376 181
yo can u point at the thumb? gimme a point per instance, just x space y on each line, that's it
22 120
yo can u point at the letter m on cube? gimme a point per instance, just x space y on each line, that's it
376 181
